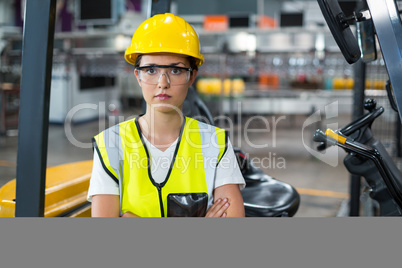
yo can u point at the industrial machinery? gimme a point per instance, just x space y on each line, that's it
367 156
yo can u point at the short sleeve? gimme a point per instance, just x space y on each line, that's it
100 182
228 170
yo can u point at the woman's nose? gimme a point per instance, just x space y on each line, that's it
164 80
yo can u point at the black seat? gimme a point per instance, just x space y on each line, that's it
265 196
270 198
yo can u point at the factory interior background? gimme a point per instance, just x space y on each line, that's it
271 67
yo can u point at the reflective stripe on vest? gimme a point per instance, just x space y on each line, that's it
192 170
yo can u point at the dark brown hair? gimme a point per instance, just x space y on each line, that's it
137 61
193 63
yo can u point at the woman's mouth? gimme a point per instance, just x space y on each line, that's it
162 97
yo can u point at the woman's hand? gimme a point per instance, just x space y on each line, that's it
129 214
232 193
218 209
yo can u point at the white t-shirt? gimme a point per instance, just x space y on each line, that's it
227 171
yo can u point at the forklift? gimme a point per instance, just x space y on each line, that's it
39 192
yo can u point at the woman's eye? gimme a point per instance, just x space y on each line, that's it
176 71
151 70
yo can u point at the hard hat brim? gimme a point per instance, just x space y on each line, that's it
131 56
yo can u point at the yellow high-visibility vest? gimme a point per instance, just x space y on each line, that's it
125 158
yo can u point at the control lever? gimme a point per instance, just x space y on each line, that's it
319 136
361 123
345 143
332 138
370 105
367 152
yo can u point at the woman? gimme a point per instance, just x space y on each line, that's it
162 163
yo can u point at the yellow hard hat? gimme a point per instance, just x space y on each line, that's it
164 33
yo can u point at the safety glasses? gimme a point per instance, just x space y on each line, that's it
175 75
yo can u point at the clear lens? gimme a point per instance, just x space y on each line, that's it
174 75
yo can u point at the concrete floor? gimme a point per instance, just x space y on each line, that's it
323 188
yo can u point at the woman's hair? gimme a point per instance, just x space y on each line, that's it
191 60
137 61
193 63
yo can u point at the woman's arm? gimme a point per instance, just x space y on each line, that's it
235 199
105 205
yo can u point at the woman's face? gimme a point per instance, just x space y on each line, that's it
163 96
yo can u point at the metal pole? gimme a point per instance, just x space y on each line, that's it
37 55
159 7
398 135
358 110
222 69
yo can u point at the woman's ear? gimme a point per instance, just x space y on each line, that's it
136 75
